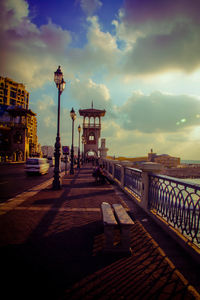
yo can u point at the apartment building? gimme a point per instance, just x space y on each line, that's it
18 123
13 93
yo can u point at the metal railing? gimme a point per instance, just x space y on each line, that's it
117 172
178 203
133 180
175 201
110 168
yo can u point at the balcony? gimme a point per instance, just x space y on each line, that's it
93 126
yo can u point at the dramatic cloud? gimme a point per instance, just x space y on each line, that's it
100 54
133 143
34 52
29 53
46 108
160 35
159 112
86 91
148 41
90 6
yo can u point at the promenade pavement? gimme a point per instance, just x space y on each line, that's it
51 247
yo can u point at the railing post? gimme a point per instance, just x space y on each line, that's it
147 169
122 175
113 169
145 190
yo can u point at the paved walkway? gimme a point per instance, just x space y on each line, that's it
51 248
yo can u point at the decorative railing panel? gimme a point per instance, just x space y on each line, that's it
117 172
133 180
110 168
105 164
178 202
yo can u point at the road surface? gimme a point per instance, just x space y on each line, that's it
13 180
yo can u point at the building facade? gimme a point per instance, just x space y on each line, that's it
13 93
103 150
47 151
18 124
91 130
164 159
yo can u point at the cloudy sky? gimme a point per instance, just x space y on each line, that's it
137 59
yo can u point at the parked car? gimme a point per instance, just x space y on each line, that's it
37 165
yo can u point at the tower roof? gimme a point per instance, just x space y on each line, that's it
92 112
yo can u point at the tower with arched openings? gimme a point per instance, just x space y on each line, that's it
91 129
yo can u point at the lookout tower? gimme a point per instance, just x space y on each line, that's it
91 129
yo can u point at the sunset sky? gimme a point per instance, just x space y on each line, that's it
137 59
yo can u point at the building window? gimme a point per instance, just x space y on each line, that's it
91 137
12 102
12 94
18 138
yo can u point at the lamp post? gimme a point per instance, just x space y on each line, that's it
60 83
83 140
73 116
79 131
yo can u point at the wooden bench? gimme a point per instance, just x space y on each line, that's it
110 224
125 223
113 218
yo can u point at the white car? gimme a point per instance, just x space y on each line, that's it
37 165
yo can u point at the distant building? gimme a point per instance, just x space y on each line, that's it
151 156
75 151
91 130
39 150
18 124
164 159
47 151
13 93
103 150
168 161
18 133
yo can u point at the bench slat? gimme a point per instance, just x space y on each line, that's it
122 215
108 215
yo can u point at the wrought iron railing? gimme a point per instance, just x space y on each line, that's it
173 200
105 164
178 203
117 172
110 168
133 180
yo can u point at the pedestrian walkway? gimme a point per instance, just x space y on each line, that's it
51 246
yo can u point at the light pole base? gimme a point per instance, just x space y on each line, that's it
57 184
72 161
57 181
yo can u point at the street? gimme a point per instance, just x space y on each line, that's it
13 180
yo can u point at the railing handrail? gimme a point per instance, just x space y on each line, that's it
177 180
134 169
118 165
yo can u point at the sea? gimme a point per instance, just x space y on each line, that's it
192 180
190 161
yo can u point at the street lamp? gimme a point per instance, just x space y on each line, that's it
83 143
60 83
79 131
82 139
73 116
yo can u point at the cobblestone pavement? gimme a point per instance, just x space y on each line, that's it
51 248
